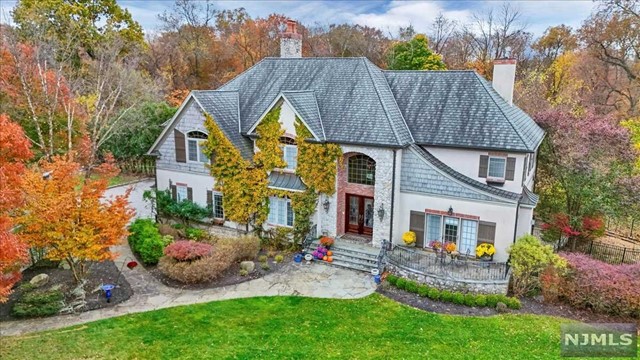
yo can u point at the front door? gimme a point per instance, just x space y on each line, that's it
359 215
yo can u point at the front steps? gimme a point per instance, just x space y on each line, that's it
350 255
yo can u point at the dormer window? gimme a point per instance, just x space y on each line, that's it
497 169
194 146
289 152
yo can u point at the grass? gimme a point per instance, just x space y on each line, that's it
295 327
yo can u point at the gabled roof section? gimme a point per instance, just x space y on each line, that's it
223 106
353 105
463 178
306 107
461 109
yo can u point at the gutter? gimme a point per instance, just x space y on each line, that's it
515 226
393 192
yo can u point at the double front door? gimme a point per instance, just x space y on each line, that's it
359 214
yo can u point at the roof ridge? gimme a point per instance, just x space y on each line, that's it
386 112
316 58
215 90
501 111
429 71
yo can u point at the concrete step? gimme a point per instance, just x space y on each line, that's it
342 252
350 256
347 265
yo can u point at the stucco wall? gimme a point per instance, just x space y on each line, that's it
467 162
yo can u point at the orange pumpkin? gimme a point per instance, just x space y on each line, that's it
330 259
325 258
329 253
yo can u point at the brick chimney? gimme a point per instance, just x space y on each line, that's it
504 78
291 41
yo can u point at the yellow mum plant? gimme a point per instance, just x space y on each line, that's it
485 249
409 238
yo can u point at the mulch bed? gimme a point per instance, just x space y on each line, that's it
231 276
529 306
99 273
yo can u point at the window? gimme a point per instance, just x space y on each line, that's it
181 193
361 170
451 229
194 147
290 156
497 168
218 211
468 237
433 228
280 211
486 232
416 224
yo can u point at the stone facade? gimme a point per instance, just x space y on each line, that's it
290 47
465 286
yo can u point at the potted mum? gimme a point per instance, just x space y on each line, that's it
435 245
409 238
485 251
449 247
326 241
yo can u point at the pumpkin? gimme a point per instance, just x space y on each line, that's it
325 258
329 253
329 259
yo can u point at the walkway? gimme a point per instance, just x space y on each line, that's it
315 280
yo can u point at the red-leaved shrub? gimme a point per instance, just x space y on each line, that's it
187 250
605 288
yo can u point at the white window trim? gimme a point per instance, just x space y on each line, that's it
198 148
288 203
287 168
213 210
458 235
504 173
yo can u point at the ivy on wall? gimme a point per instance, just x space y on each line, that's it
245 185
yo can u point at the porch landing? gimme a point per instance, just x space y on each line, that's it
351 254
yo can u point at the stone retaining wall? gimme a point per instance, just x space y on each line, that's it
442 283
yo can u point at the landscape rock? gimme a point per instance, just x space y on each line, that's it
56 287
502 307
248 265
39 280
64 265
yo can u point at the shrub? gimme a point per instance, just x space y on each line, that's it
423 290
265 266
602 287
411 287
139 230
195 234
186 211
203 269
433 294
241 247
481 300
492 300
513 303
401 283
36 304
469 300
446 296
152 248
529 257
458 298
278 258
244 272
263 258
145 240
186 250
392 279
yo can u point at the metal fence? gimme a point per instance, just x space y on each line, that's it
611 254
443 265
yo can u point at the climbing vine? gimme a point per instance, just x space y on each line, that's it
245 186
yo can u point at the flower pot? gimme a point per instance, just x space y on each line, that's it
485 258
413 244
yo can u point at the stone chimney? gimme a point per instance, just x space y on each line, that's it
291 41
504 77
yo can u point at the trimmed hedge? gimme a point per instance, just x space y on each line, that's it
453 297
146 241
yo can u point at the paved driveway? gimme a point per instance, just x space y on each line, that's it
142 208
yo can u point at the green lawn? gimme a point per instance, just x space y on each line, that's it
294 327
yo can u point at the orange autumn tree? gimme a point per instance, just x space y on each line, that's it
14 151
65 214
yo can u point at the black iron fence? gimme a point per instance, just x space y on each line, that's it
611 254
443 265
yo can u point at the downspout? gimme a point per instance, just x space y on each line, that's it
393 192
515 227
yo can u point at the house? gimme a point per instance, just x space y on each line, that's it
445 154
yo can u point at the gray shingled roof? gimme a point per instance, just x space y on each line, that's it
462 178
284 180
354 104
304 102
461 109
528 197
223 107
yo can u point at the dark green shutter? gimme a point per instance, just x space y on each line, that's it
174 193
190 194
210 198
484 166
180 145
416 224
511 169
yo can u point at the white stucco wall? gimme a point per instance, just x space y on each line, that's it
504 215
467 162
525 216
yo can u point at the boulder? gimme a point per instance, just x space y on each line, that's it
502 307
248 265
39 280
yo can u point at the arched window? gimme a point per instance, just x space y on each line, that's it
194 140
361 170
289 152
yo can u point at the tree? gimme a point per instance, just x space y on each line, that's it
555 41
414 54
14 151
65 214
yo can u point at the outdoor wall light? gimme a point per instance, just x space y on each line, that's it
326 205
450 212
381 212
